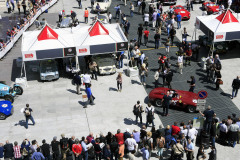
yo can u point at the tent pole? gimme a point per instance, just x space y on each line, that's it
77 63
26 85
213 49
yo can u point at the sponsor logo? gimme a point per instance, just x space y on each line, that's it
83 50
28 55
4 105
70 50
219 36
122 44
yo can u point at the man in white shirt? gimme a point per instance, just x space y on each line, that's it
180 63
192 133
131 144
86 79
135 54
184 131
156 77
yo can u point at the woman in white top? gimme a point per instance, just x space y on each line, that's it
146 18
180 63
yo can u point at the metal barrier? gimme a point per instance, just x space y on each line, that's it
11 43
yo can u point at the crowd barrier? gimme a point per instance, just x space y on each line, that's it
10 44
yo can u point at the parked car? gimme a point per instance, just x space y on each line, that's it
48 70
211 7
168 2
106 63
183 12
104 5
198 1
66 22
219 47
8 93
180 99
6 109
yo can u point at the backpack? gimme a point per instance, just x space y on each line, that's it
136 109
27 112
160 143
24 152
150 115
64 143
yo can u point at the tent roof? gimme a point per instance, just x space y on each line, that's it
47 33
227 17
98 29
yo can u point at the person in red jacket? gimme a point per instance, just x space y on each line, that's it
120 137
77 150
175 129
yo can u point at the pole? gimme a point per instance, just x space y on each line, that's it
212 48
26 85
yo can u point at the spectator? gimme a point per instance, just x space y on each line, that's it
213 132
160 145
136 136
71 141
131 144
34 146
79 4
55 148
156 77
24 6
77 80
157 40
107 152
119 82
90 138
60 15
168 136
233 134
208 114
84 148
178 151
126 134
175 129
192 133
46 150
64 146
12 2
126 26
120 137
200 152
235 86
149 115
166 102
38 155
77 150
143 73
169 76
223 132
145 153
190 150
131 9
8 6
8 150
139 33
172 35
138 110
213 153
179 20
25 146
90 96
121 151
146 34
146 19
114 148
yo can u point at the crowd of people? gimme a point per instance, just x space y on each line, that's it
30 9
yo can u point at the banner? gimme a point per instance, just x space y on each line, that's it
29 56
83 50
123 46
69 52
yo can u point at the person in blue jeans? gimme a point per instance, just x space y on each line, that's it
179 20
120 59
157 40
28 114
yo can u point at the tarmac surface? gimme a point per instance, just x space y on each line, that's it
58 109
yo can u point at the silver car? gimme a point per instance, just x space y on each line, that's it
66 22
48 70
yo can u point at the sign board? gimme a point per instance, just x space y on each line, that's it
122 46
198 122
69 52
202 94
29 56
83 50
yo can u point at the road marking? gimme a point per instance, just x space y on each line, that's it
147 49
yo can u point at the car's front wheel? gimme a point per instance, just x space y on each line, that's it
2 116
9 98
18 90
158 103
191 109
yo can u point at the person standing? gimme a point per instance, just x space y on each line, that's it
172 35
79 4
179 20
24 6
146 19
233 134
18 6
117 8
154 19
208 114
28 115
190 150
64 146
139 33
90 95
8 150
150 115
77 80
235 86
160 146
138 110
131 9
131 144
86 79
167 46
86 14
192 84
77 150
146 34
93 69
157 40
8 6
38 155
17 151
120 59
46 150
92 3
143 73
55 148
145 153
156 77
127 26
218 78
119 82
188 54
84 148
12 2
166 101
169 78
178 151
143 4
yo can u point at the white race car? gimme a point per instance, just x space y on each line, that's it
104 5
106 63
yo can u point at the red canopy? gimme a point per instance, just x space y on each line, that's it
227 17
98 29
47 33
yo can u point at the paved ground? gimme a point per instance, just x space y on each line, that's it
57 109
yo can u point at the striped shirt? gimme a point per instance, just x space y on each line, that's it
17 153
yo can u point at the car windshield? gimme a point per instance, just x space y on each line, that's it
48 66
179 8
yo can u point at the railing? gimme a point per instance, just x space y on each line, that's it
14 39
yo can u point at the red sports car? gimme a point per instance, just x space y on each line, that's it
181 99
183 12
211 7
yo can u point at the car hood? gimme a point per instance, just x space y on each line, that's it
5 107
105 62
183 12
213 8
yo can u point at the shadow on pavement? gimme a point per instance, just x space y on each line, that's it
112 89
21 123
16 71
